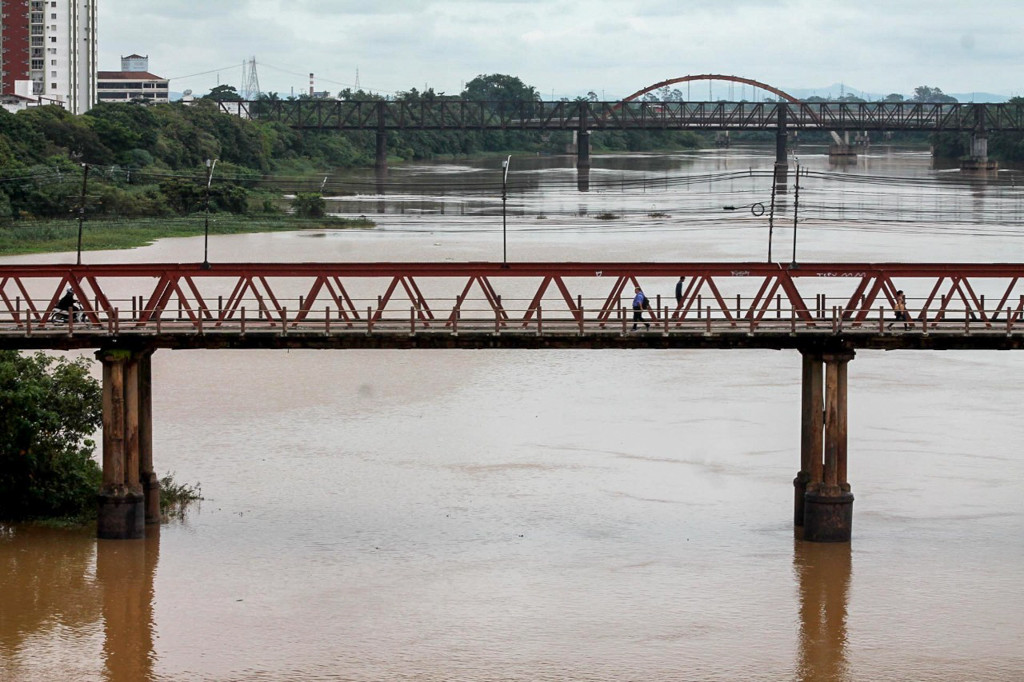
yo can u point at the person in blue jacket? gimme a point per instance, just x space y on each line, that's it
640 303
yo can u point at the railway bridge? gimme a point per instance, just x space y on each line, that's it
784 115
824 311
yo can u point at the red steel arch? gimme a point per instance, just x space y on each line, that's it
713 77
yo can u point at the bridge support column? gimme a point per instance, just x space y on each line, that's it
811 424
381 161
781 157
978 161
121 499
840 151
147 474
828 502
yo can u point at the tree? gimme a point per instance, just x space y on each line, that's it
499 88
48 409
923 93
223 93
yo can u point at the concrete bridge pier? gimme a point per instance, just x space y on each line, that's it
840 150
978 161
381 159
124 504
823 501
583 160
147 474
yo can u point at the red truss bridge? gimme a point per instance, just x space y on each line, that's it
521 305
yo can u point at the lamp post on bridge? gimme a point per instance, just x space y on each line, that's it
504 199
210 163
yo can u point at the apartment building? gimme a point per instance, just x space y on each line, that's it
48 51
133 82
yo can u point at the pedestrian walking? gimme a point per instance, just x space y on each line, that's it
900 309
640 304
679 292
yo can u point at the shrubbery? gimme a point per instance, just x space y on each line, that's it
48 409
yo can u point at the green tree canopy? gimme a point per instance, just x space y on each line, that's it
48 410
499 88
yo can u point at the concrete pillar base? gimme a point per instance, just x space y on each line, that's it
122 516
799 491
151 491
828 518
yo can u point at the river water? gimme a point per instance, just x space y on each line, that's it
563 515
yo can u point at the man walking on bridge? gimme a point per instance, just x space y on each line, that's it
640 303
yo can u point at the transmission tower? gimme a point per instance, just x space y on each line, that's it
356 86
250 80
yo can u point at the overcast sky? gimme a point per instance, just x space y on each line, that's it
565 48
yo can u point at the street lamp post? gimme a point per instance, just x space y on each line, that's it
796 211
504 201
206 218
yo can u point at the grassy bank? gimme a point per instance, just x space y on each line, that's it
49 236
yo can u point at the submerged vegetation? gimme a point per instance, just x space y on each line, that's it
176 498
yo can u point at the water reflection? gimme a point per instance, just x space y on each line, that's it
124 572
63 593
823 579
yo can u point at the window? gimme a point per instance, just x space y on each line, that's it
53 62
53 74
53 39
53 16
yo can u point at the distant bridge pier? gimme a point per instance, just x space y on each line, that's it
840 150
583 160
381 159
129 494
978 161
781 158
823 502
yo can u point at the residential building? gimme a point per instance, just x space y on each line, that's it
133 82
48 51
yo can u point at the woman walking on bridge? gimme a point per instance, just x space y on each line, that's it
900 308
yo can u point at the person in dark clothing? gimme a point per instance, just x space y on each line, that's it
640 303
67 302
679 292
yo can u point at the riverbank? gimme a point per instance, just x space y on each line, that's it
51 236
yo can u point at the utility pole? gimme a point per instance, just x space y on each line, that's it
81 209
206 218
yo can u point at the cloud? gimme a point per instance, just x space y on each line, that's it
571 46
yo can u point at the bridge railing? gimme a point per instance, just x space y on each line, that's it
130 318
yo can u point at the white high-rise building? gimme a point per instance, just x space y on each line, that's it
49 51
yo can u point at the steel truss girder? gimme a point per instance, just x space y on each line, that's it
454 114
515 295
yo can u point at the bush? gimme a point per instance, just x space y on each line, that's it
48 408
309 205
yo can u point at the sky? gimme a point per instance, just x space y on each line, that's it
567 48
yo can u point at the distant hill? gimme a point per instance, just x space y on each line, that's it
837 90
